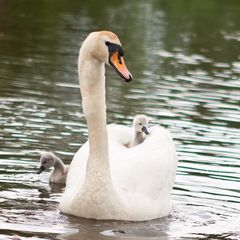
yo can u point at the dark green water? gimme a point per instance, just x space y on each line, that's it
185 58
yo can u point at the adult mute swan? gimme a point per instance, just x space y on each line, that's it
107 180
140 126
60 170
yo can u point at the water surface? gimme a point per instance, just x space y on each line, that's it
185 58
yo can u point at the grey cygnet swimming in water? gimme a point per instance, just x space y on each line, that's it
59 172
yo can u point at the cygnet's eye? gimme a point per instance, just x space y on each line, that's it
44 162
140 124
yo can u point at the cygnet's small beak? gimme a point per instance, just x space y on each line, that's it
144 129
117 62
42 168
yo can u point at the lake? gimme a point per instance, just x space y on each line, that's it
185 59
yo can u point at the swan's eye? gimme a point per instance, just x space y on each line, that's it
113 48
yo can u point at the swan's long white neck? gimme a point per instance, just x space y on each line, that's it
98 189
92 86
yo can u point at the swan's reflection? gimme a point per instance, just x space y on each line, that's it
95 230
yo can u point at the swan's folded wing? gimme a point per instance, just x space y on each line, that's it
120 134
148 168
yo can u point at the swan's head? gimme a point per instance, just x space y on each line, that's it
106 47
140 124
47 160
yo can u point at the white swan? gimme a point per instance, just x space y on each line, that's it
140 127
60 170
107 180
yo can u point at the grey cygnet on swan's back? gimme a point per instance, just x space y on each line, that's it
60 170
140 126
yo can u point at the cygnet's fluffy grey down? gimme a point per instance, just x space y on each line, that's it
59 172
140 126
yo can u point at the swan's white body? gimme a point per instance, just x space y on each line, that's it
107 180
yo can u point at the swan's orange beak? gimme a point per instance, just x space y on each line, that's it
117 62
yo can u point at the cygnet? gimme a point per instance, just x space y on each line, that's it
59 172
140 126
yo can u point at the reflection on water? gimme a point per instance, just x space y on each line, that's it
186 64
